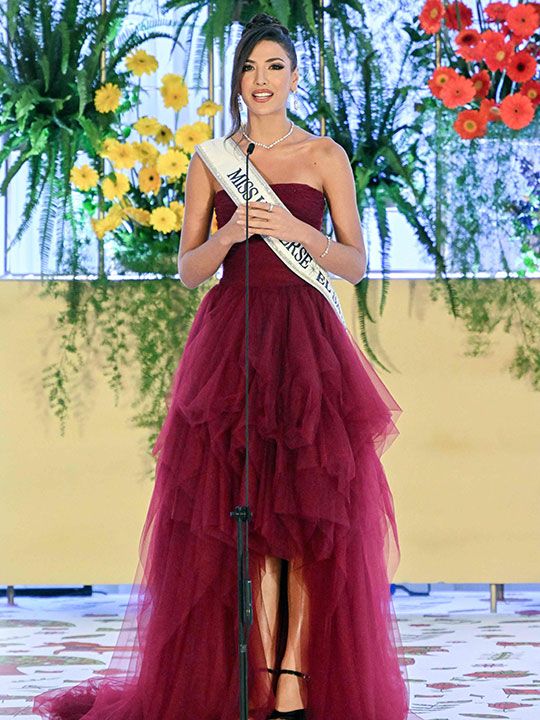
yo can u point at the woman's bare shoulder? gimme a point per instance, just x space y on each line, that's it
326 157
329 150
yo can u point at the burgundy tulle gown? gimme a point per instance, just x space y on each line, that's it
319 420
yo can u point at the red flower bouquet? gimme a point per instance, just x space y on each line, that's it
491 71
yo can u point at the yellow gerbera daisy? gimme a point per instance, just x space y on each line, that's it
115 215
172 79
108 144
83 177
107 98
163 219
190 135
163 135
99 227
203 128
209 108
173 163
146 152
149 180
116 187
110 221
141 63
139 215
147 125
174 96
123 156
178 209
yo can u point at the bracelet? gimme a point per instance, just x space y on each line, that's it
327 248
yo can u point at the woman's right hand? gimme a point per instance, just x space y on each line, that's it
232 232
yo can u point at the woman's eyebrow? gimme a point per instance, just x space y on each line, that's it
277 58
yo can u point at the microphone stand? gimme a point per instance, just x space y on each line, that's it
243 515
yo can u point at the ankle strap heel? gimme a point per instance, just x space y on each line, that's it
299 714
289 672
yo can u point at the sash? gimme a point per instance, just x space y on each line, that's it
227 161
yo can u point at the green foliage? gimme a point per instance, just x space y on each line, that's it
302 17
50 57
49 116
487 229
366 116
117 325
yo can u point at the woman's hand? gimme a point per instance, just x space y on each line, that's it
278 222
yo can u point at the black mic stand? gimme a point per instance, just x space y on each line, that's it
243 515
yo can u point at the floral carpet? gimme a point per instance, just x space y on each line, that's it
462 660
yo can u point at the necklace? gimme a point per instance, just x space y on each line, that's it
243 128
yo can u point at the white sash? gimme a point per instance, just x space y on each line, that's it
227 162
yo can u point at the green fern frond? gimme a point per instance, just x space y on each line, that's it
381 217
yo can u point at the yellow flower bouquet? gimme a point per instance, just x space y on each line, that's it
134 193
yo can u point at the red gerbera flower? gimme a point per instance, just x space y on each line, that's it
439 78
489 35
469 37
497 11
521 66
522 20
473 53
457 91
431 16
532 90
470 124
497 54
458 16
470 45
517 111
482 82
490 110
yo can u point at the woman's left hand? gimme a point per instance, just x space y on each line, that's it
278 222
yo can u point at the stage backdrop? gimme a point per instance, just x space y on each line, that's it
464 470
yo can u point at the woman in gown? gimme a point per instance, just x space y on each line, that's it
323 543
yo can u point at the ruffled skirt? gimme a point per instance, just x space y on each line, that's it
319 418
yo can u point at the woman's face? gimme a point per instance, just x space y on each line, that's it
267 70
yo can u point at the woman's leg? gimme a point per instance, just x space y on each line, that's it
270 602
291 690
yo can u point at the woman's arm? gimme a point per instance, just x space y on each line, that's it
347 257
199 256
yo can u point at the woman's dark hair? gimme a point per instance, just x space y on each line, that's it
260 27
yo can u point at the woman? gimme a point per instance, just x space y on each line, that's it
322 540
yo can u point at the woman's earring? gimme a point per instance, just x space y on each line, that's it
241 105
295 101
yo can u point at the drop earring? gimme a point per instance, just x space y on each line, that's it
242 106
295 101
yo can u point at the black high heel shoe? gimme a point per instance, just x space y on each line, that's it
288 714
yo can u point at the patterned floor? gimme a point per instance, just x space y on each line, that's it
462 660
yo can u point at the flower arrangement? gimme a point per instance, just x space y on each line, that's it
48 77
137 198
491 70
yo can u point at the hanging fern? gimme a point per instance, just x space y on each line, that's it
217 19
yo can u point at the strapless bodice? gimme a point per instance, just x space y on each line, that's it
307 203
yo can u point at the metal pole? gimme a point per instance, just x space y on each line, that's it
439 185
211 73
322 85
6 207
103 78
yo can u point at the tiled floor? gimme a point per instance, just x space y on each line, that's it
462 660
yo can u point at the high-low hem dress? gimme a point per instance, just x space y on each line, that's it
319 420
